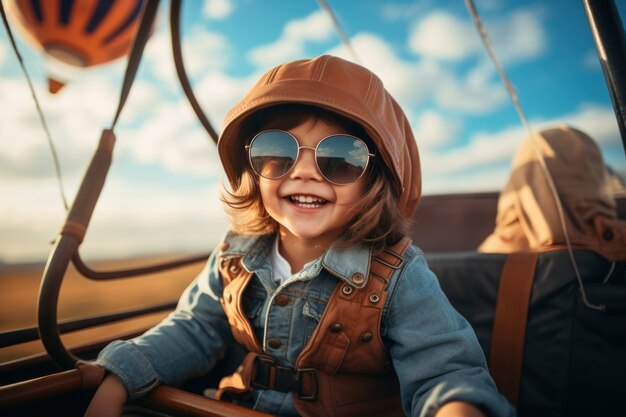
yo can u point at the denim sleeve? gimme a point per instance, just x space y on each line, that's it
185 344
434 349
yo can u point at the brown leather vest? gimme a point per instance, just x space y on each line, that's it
344 369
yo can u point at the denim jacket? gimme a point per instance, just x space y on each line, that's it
433 349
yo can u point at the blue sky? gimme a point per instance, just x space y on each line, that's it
161 195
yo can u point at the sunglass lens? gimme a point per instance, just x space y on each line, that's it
273 153
341 158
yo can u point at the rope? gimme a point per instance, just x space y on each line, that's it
42 119
512 93
342 35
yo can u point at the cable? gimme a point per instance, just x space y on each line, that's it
608 275
542 163
342 35
55 158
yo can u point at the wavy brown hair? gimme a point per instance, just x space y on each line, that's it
377 221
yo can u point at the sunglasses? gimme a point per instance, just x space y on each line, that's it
341 159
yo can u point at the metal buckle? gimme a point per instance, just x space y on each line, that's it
314 380
262 372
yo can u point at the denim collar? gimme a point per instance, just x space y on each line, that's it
349 264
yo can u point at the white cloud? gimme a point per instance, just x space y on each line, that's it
86 105
489 180
217 9
153 133
444 37
145 218
477 93
408 82
484 149
516 37
441 35
157 58
218 93
178 146
131 219
488 154
74 118
204 51
316 27
519 36
414 83
30 215
435 130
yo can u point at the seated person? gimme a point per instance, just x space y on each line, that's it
528 218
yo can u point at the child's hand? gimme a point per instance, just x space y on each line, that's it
459 409
109 399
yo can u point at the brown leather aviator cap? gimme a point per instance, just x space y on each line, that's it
342 87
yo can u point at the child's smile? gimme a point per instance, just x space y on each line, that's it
307 201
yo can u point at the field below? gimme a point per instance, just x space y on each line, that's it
80 297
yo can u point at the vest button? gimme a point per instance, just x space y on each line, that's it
366 337
374 298
358 278
274 343
336 327
346 290
281 300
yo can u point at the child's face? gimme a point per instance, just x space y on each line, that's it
306 205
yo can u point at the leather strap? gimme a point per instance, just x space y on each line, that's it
180 69
149 10
509 325
351 320
262 372
385 262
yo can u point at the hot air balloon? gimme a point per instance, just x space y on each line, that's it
79 33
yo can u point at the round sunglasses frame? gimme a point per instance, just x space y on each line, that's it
314 149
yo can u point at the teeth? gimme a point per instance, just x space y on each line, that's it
307 201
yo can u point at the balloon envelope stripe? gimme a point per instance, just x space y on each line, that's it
35 6
66 11
99 14
125 24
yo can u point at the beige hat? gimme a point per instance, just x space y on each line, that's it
527 215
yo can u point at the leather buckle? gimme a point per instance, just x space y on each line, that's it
262 372
397 262
269 375
312 373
